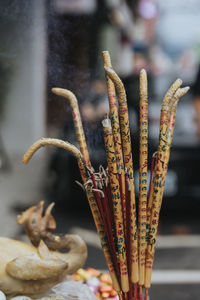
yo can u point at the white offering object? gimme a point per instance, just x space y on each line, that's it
2 296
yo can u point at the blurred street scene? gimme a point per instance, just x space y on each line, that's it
58 43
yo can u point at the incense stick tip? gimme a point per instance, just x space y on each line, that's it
105 52
186 89
143 71
181 92
24 161
55 90
179 81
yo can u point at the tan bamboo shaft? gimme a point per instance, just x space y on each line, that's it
51 142
113 113
114 117
128 164
116 200
173 106
159 181
111 91
171 91
164 121
143 170
91 199
77 121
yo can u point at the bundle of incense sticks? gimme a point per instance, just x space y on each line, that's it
127 238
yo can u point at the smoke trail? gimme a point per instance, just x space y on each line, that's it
63 64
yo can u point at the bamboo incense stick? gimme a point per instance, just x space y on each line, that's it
115 191
166 135
165 109
170 131
90 195
51 142
113 115
143 174
77 121
164 120
128 163
167 126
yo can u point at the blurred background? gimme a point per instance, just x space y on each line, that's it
58 43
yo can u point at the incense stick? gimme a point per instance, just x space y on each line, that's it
51 142
164 120
166 135
170 130
115 191
128 163
77 121
113 114
143 174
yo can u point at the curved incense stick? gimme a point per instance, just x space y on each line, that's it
179 93
51 142
159 182
165 109
164 121
170 130
128 163
115 191
171 91
91 199
143 174
118 85
173 106
113 114
114 118
77 121
58 143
